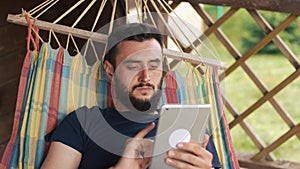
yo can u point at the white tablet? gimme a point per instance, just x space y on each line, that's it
178 123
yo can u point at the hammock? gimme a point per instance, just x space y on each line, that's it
54 83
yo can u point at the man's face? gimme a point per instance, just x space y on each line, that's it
138 73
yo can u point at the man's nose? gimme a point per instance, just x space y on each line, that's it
144 75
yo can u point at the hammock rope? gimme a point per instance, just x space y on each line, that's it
84 13
99 14
68 11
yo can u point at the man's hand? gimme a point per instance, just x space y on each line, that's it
138 151
190 156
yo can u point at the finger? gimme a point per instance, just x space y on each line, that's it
194 148
189 159
179 164
145 131
185 157
205 141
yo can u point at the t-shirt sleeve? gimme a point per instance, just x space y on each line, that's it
68 132
212 149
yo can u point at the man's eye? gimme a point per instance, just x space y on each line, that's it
153 66
133 67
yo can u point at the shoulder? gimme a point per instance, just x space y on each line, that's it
85 109
72 117
72 130
94 113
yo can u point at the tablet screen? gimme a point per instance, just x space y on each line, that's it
178 123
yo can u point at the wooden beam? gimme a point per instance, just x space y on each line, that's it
286 6
261 44
277 143
80 33
245 161
224 40
259 143
266 27
193 59
265 98
102 38
213 27
175 3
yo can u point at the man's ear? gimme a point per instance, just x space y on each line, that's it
109 69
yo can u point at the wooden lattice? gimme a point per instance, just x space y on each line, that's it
272 34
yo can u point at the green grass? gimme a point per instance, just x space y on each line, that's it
242 92
265 121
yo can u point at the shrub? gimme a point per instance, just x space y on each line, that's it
255 33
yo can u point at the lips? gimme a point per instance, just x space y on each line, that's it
144 88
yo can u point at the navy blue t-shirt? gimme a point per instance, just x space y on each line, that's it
100 135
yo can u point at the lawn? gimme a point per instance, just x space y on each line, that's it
242 92
265 121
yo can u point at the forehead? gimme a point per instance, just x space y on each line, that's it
143 51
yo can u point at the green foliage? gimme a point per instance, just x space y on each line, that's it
255 33
242 92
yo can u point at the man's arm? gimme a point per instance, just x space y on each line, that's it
61 156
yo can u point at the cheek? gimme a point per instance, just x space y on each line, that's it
125 77
156 77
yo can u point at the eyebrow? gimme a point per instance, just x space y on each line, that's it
138 61
155 60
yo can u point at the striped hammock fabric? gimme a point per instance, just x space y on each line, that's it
53 83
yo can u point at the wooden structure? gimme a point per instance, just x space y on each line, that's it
12 50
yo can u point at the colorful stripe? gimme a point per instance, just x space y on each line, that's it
53 83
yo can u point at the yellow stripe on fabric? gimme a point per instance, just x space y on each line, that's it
92 88
36 111
29 123
25 117
191 87
200 83
73 90
215 120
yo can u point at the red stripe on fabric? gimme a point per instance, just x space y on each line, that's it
54 96
109 100
171 88
20 98
55 91
233 156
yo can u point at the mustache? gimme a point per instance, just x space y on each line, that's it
144 84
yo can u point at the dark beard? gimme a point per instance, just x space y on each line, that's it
134 104
146 105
